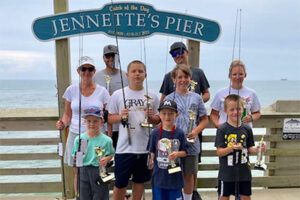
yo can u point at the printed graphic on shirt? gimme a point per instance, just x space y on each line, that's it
163 150
231 139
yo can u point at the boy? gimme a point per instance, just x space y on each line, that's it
234 143
165 185
192 123
131 157
89 173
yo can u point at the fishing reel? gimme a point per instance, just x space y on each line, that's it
124 121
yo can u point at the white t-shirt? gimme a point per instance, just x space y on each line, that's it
248 95
136 103
99 97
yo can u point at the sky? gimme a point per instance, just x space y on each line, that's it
270 39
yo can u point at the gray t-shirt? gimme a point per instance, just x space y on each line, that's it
115 82
194 102
198 75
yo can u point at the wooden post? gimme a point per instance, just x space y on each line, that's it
194 52
63 77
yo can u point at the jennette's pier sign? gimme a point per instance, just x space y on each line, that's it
127 20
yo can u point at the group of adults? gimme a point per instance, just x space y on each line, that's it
96 91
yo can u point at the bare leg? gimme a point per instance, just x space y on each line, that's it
119 193
224 198
195 182
245 197
137 191
189 183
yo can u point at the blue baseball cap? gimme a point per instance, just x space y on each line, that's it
94 111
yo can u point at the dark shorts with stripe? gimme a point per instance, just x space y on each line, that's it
225 189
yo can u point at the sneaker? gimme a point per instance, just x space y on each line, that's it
196 196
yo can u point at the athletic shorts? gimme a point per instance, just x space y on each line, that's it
166 194
190 164
225 189
127 165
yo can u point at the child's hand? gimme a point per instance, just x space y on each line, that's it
173 155
263 148
103 162
125 113
236 146
148 112
60 125
151 164
192 135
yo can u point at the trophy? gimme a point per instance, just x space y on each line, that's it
191 124
173 168
145 123
104 176
193 84
259 164
107 80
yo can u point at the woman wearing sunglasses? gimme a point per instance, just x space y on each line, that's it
91 95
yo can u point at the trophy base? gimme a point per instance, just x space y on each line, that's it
262 167
146 124
105 179
173 170
190 140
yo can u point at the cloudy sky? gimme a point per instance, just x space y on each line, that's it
270 39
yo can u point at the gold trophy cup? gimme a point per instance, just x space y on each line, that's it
193 84
146 123
191 124
173 168
104 176
107 80
259 164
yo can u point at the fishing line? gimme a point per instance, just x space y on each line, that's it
125 123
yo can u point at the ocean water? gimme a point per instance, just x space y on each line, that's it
43 94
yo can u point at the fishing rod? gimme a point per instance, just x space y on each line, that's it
237 153
124 119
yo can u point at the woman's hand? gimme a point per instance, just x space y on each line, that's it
60 125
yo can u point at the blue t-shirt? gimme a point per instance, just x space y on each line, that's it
160 177
191 101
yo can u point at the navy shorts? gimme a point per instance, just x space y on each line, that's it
225 189
131 164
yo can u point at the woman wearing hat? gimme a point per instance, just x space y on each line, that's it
91 95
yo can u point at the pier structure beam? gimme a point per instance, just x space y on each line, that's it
63 75
194 52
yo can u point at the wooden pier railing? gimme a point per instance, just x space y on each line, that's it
282 156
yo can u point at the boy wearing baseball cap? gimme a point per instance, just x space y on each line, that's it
89 173
167 144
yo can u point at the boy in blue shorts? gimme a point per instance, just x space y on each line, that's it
131 153
89 173
234 143
165 185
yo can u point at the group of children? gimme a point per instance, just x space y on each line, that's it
174 143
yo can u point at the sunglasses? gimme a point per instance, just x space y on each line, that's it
179 52
83 69
109 55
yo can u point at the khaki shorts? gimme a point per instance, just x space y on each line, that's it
190 164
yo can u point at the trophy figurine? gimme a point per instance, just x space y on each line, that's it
107 80
191 124
193 84
146 123
173 168
259 164
104 176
